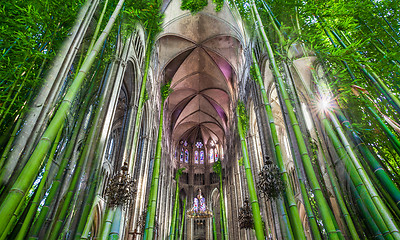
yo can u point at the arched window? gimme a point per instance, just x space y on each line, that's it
196 157
186 156
211 155
181 156
201 157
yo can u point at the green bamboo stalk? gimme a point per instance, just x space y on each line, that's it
284 222
11 224
356 179
97 30
392 138
175 210
258 223
339 198
372 227
11 140
183 220
30 170
115 227
320 199
289 196
223 212
149 230
378 83
376 167
142 97
36 200
307 205
214 228
107 224
89 221
90 203
382 209
58 178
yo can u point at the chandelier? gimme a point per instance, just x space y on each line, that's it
121 188
246 216
270 183
199 209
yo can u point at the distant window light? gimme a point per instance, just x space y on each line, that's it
196 157
199 144
185 143
211 155
201 157
186 156
181 156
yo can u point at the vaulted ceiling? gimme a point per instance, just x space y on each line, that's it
202 65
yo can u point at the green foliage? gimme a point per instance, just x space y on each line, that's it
218 5
217 168
194 6
243 117
29 40
147 13
179 173
166 90
240 161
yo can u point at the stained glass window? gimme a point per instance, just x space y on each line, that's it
181 156
196 157
186 156
216 156
211 155
199 144
201 157
185 143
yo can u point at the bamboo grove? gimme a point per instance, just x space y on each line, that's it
56 78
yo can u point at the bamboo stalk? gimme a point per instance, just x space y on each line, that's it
175 210
149 230
29 172
284 222
183 220
115 227
380 173
214 228
258 223
289 197
107 224
320 199
224 224
355 177
386 215
36 200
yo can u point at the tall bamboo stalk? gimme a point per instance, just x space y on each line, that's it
382 209
376 167
224 224
115 227
355 177
149 230
258 222
329 222
289 197
107 224
183 220
175 211
30 170
36 200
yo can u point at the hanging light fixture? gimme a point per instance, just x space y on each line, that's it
121 188
246 216
270 183
199 209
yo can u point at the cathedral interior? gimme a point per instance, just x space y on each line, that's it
183 168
